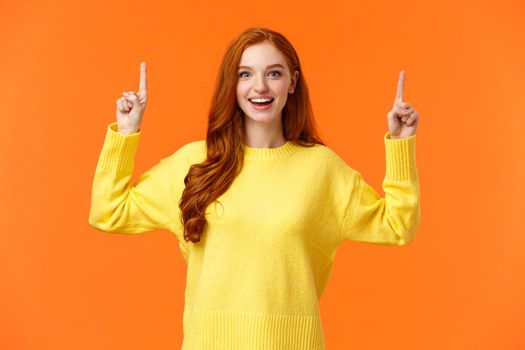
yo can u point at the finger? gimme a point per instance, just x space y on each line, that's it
400 113
403 108
119 106
413 118
142 84
131 96
410 119
400 86
124 105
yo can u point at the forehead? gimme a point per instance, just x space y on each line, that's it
262 54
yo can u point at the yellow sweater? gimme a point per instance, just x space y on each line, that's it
255 279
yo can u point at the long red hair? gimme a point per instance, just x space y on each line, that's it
207 181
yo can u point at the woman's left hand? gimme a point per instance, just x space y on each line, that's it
402 119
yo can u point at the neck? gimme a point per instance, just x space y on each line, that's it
263 135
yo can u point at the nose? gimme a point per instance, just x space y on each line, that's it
260 84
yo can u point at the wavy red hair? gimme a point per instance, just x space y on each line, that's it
207 181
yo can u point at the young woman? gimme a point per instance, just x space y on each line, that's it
261 205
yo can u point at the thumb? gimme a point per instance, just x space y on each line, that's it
132 97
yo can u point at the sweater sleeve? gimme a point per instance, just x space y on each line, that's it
117 206
394 219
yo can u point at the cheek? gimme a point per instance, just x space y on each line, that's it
242 86
282 92
241 92
282 88
240 98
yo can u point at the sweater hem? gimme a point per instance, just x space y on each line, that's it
218 329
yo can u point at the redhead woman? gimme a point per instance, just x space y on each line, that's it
260 205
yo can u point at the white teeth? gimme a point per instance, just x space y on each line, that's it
260 99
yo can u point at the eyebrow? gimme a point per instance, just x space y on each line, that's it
270 66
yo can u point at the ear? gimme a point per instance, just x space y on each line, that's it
291 89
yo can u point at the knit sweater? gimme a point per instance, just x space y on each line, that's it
255 279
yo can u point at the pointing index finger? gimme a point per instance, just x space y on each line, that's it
142 84
400 85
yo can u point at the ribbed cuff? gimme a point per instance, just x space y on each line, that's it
119 150
400 158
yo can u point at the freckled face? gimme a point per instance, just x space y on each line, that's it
263 72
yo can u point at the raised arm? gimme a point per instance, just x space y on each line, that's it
117 205
394 219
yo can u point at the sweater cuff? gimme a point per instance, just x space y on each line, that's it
119 150
400 158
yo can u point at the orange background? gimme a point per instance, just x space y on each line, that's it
459 285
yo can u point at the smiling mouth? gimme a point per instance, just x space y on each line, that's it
265 103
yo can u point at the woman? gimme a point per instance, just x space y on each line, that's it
260 207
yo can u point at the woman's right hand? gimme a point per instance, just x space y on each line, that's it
131 107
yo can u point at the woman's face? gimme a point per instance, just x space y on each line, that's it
263 73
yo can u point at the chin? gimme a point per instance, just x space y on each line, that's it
262 117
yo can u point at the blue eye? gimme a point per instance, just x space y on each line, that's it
274 71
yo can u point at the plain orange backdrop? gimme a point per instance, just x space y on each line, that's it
459 285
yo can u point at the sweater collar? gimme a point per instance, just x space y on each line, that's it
287 149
